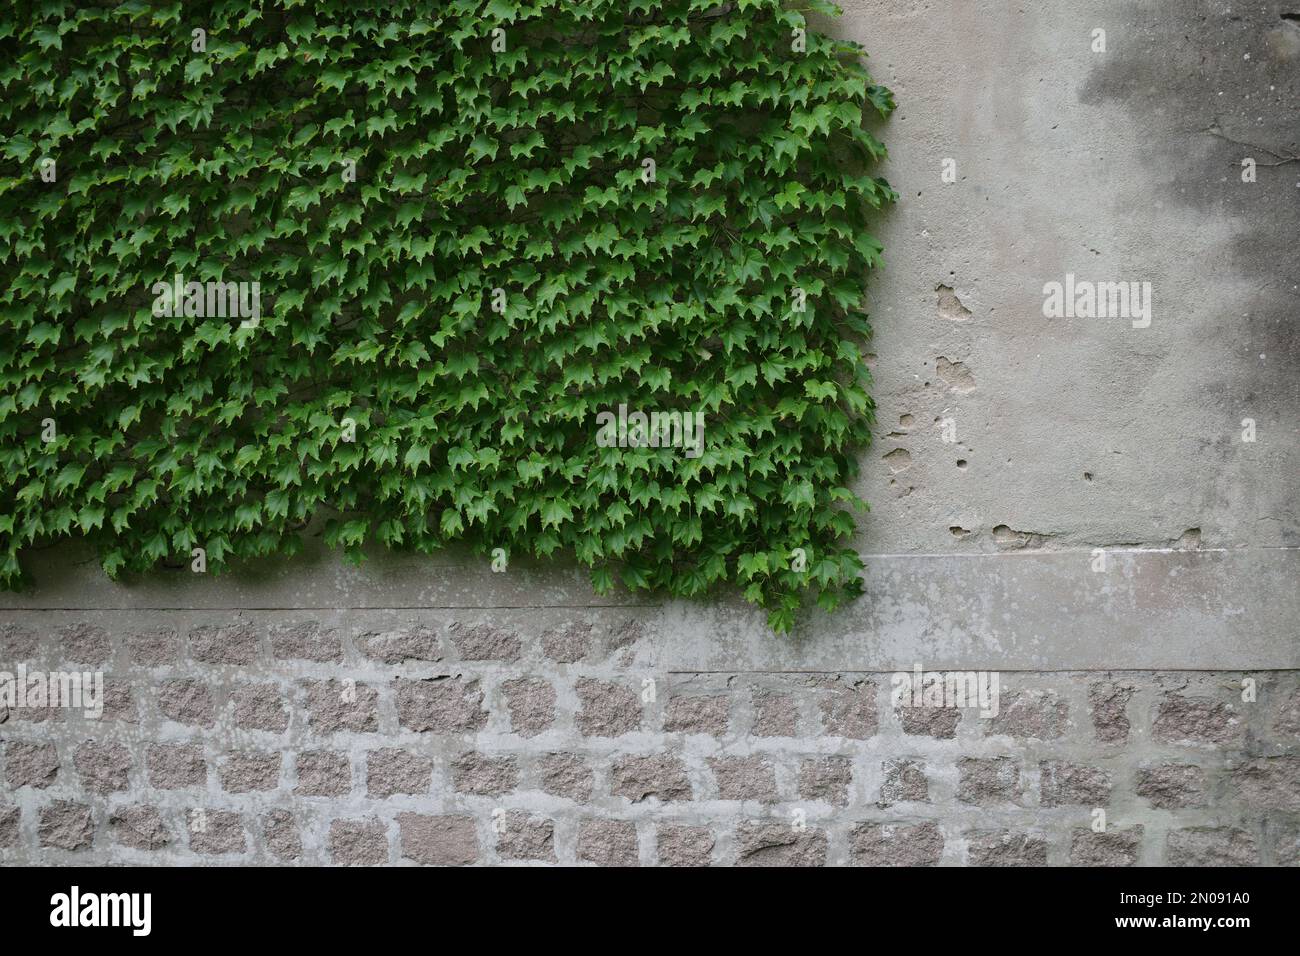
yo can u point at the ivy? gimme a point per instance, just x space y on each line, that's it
447 240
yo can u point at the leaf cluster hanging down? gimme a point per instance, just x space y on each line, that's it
468 229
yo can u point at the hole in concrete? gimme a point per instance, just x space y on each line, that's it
1007 537
905 420
958 531
1087 476
950 306
961 463
954 374
898 459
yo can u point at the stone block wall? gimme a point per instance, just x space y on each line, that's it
427 738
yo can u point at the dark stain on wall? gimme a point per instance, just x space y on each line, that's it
1215 83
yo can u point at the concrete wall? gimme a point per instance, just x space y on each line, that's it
432 711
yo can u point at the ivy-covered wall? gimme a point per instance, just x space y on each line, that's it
549 277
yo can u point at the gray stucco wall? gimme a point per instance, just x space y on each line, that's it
433 711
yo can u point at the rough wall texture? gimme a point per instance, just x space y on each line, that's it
435 712
1122 165
413 738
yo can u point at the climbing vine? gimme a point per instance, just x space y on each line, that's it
568 276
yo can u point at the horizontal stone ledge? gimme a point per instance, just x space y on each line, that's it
1149 610
1046 611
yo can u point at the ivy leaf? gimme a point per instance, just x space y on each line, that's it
415 456
555 512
